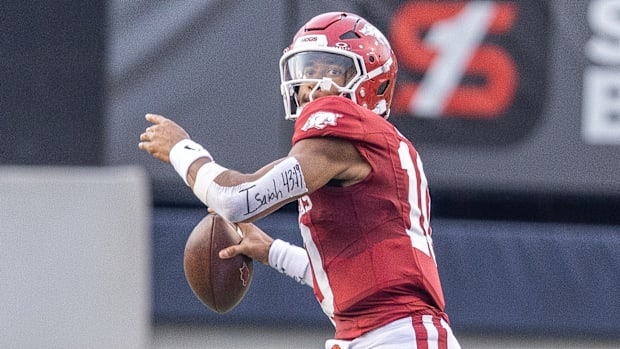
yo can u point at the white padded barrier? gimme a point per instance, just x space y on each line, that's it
75 267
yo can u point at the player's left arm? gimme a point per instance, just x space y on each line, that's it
286 258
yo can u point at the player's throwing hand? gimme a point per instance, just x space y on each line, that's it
159 138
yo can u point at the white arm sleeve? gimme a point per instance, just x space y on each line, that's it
291 260
238 203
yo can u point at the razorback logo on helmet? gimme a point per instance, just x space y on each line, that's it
475 67
320 120
370 30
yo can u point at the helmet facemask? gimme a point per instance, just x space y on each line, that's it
307 75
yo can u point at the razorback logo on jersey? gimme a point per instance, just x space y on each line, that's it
320 120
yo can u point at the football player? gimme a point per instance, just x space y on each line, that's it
364 204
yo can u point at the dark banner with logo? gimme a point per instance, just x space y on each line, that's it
511 96
497 96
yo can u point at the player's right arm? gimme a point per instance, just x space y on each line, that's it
241 197
310 164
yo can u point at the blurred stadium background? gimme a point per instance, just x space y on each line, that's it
520 136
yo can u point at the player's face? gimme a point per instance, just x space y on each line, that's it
319 70
325 69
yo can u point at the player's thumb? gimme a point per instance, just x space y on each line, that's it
229 252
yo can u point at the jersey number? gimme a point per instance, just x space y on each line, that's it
419 229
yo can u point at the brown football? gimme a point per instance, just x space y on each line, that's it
220 284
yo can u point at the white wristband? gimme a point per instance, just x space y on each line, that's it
205 176
183 155
290 260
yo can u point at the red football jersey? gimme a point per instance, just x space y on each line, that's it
369 244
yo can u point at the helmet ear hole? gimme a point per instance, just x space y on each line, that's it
384 85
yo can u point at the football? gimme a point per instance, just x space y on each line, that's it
220 284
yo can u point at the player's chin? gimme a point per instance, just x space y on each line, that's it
320 94
303 100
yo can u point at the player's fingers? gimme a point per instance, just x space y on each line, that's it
154 118
243 229
147 146
249 229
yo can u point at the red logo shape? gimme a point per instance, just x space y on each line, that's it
470 72
244 272
465 76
